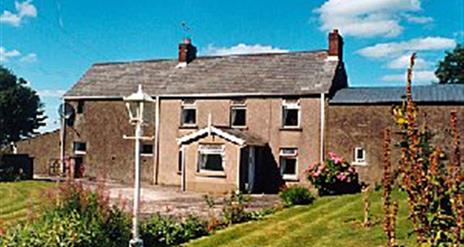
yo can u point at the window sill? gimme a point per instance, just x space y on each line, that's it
291 129
290 178
80 152
146 155
215 174
239 127
188 127
359 163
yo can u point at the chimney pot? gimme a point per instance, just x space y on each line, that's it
336 45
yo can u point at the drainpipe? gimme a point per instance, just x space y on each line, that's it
62 139
322 117
157 131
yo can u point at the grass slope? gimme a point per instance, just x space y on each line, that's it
18 198
330 221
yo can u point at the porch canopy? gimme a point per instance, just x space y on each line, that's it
237 136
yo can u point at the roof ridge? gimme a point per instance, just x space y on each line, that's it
209 57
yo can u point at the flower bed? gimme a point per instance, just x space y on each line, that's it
333 177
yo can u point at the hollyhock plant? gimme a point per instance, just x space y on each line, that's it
334 176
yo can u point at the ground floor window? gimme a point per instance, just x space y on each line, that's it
146 150
359 156
80 147
211 158
289 163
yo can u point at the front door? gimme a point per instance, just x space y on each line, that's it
251 169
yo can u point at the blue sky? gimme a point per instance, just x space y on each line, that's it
52 42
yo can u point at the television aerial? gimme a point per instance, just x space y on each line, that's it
65 111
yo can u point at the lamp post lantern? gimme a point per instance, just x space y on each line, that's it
135 104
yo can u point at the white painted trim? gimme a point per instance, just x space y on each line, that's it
239 151
359 161
322 131
210 129
157 133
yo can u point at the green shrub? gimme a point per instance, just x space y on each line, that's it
296 195
233 210
163 231
75 217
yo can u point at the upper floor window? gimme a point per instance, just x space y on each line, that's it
289 163
211 158
189 113
290 113
359 156
80 107
80 147
238 113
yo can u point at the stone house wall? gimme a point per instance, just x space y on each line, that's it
350 126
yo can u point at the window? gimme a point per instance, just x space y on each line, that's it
238 113
189 113
359 156
80 148
80 107
211 158
288 163
146 150
291 113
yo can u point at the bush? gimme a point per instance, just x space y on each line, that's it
296 195
163 231
233 210
75 217
335 176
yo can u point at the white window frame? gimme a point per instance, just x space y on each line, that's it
239 105
358 161
188 106
291 104
285 155
79 152
202 150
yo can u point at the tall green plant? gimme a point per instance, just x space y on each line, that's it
434 187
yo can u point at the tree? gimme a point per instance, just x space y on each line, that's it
21 112
451 69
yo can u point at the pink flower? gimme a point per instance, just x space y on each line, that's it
338 160
332 155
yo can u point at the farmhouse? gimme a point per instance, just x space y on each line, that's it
251 122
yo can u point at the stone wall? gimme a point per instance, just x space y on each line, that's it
43 149
350 126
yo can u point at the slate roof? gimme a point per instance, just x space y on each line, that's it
248 137
291 73
433 94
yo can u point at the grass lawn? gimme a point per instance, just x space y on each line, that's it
330 221
17 199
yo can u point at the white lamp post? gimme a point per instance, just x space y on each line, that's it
135 103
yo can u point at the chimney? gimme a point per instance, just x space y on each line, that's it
187 52
335 46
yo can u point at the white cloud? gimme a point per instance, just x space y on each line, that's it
51 93
398 48
5 55
23 10
29 58
402 62
368 18
418 19
241 48
419 77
